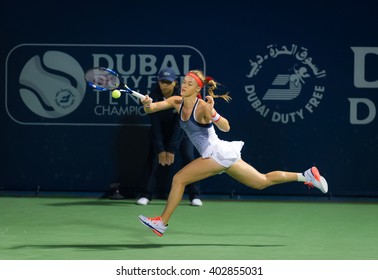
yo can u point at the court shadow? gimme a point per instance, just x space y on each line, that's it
134 246
93 203
100 203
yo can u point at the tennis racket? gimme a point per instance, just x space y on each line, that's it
105 79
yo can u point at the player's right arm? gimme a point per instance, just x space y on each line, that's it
151 107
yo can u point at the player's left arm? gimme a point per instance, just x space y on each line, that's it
212 115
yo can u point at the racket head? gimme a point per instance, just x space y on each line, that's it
102 78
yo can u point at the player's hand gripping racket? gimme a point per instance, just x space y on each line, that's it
105 79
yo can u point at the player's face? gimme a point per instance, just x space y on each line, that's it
189 87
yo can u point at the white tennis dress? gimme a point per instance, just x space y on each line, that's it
207 143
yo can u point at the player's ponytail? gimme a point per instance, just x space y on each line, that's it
211 85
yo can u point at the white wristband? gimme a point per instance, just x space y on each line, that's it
216 117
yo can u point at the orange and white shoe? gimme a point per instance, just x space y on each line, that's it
313 179
155 224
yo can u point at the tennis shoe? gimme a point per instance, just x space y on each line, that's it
313 179
155 224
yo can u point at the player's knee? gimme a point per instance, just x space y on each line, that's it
178 181
261 184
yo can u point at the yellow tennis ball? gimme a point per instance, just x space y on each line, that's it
116 94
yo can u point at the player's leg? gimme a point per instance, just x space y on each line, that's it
197 170
249 176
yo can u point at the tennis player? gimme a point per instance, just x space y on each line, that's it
197 118
168 139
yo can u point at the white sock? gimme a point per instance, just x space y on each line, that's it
301 178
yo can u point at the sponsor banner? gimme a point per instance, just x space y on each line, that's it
285 84
45 83
362 109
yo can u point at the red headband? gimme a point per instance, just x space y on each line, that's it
196 78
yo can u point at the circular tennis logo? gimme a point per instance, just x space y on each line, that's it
50 86
285 84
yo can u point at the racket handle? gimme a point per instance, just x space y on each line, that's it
138 95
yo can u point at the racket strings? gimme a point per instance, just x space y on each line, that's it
103 78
